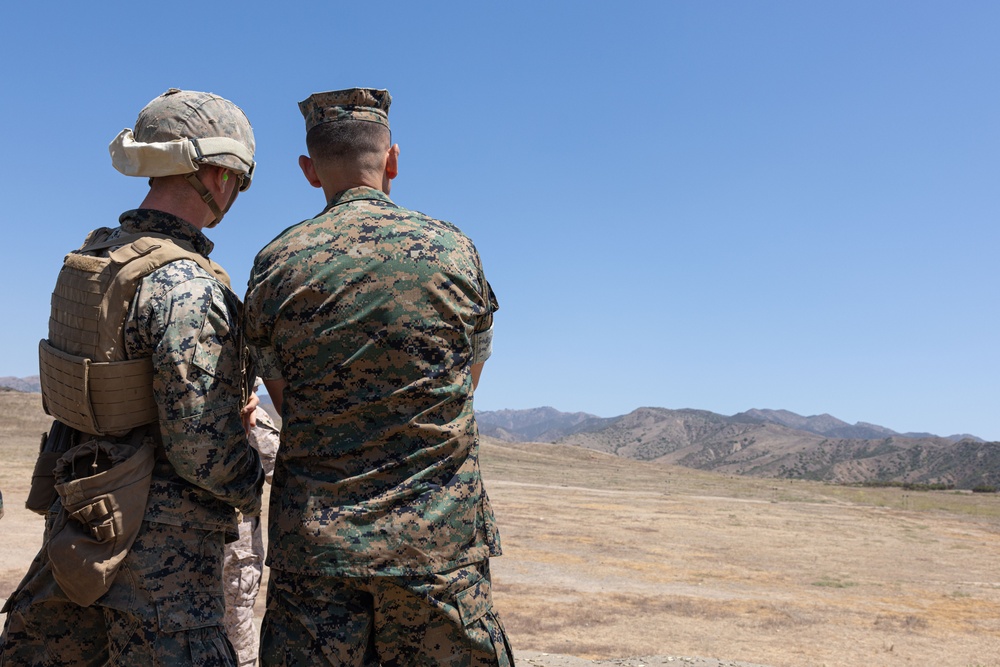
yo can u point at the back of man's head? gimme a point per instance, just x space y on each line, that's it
349 144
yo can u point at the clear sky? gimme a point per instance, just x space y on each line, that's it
720 205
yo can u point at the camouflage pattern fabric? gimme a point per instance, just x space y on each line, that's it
442 619
366 104
165 608
368 313
243 563
166 600
205 467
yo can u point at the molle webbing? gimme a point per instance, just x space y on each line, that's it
87 383
100 398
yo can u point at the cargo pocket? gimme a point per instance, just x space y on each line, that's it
483 626
474 602
214 335
206 354
189 612
209 647
242 573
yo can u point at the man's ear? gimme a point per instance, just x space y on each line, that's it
214 177
309 171
392 162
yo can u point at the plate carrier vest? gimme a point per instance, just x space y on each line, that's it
87 382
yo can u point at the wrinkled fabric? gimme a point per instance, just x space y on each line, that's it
165 609
243 565
100 514
368 312
59 439
165 605
187 322
440 619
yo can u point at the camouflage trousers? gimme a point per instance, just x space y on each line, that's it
242 570
433 620
163 609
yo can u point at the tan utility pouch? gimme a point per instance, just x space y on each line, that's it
96 397
54 444
104 487
42 493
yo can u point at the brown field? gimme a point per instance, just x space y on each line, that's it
607 558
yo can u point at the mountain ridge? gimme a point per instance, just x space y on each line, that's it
772 443
756 442
546 424
30 384
512 425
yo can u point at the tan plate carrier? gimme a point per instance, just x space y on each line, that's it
87 382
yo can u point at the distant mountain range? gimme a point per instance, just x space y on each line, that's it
550 425
29 384
535 425
762 443
759 443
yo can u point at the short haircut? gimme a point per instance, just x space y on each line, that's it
357 143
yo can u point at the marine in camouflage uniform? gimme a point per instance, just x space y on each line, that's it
165 606
371 324
243 565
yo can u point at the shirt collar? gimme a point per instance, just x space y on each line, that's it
357 194
150 220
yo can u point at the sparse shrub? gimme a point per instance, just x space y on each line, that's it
907 486
895 622
828 582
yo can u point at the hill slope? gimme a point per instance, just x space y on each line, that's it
784 445
759 443
607 557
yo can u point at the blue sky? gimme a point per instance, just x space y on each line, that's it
720 205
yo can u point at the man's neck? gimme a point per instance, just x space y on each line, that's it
179 199
336 178
333 186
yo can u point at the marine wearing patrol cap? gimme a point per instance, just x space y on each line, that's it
367 104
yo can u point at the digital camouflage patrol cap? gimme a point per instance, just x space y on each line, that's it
367 104
182 129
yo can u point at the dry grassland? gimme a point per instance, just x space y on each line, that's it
607 558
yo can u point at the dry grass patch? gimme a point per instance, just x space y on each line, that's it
607 558
650 560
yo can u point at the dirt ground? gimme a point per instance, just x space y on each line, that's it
606 560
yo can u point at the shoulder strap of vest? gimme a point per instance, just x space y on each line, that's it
145 243
95 237
138 256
